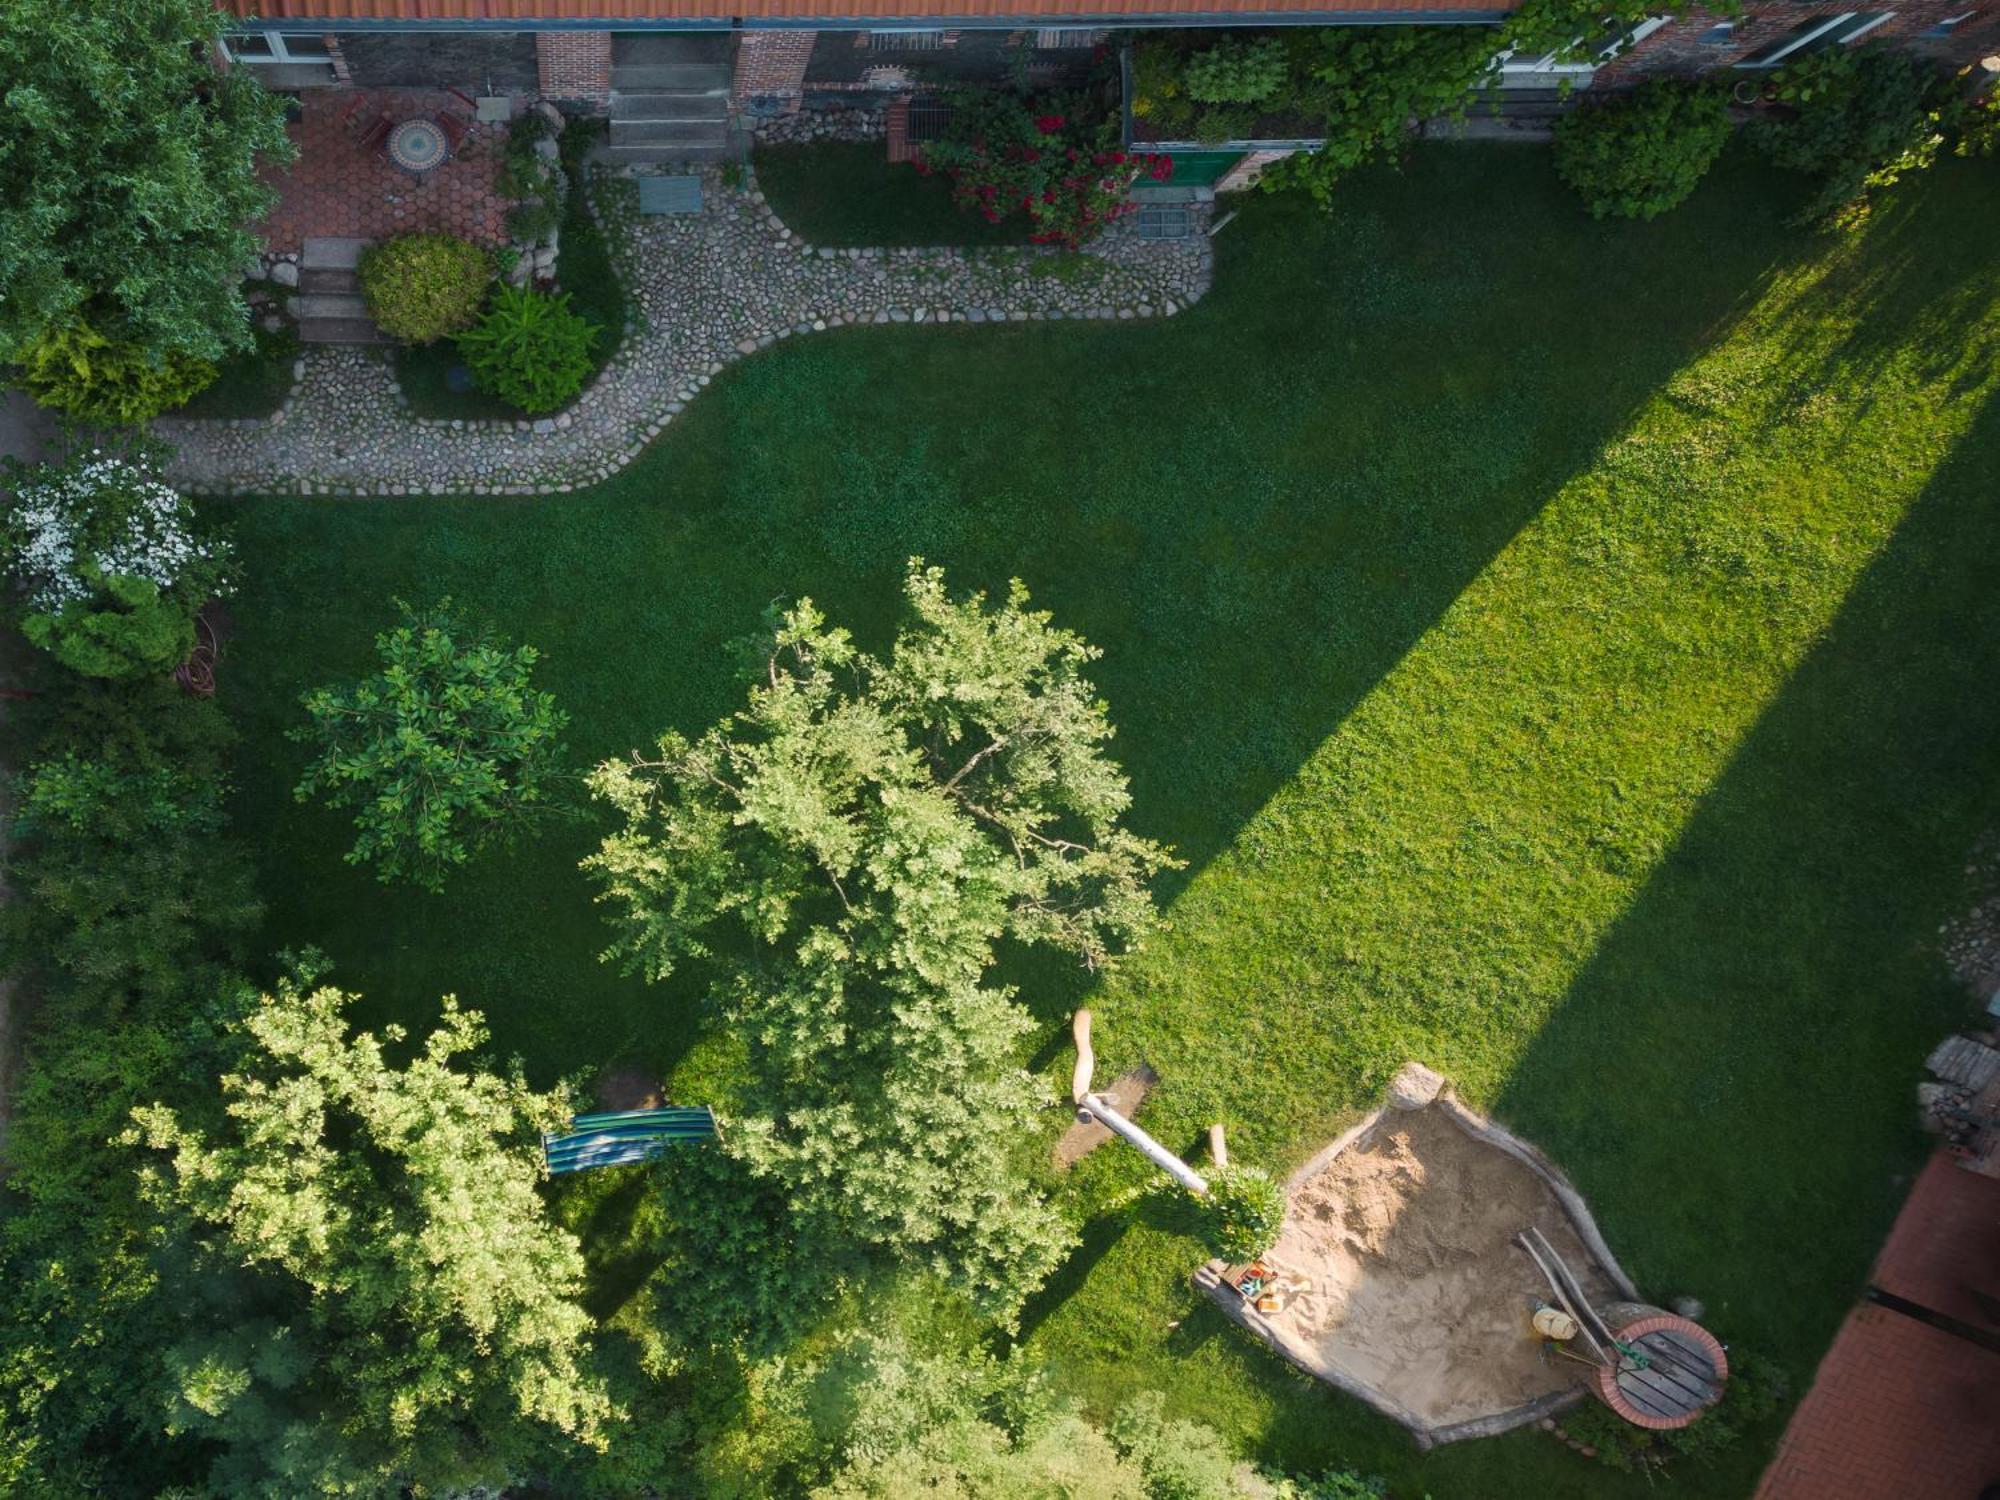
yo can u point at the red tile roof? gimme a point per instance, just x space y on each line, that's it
532 12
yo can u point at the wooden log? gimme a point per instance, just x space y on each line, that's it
1086 1060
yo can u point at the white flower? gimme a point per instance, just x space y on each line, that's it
154 538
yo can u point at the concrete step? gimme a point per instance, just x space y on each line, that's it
672 78
340 305
341 331
667 48
732 147
327 279
656 107
331 253
666 134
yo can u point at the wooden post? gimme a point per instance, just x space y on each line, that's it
1218 1150
1091 1106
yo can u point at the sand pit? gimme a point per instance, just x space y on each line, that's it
1420 1299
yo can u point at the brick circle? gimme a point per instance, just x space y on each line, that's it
1607 1379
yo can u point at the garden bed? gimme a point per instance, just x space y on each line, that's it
846 193
252 384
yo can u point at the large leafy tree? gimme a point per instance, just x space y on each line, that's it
386 1304
844 853
128 174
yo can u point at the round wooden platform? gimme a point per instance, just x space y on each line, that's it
1679 1374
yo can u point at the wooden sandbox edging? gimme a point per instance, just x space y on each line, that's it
1416 1087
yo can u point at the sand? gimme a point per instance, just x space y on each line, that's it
1419 1290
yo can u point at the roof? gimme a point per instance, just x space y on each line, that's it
541 14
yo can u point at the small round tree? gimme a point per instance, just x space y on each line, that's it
1243 1212
112 565
1636 155
420 287
444 750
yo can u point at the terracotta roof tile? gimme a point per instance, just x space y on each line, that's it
489 12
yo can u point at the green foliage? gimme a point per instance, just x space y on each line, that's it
420 287
112 563
1754 1395
447 748
1860 118
1568 27
1368 83
128 176
844 853
530 349
75 369
1979 127
126 628
400 1313
1242 1213
1238 71
131 912
1637 155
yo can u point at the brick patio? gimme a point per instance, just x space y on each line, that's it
1900 1409
336 187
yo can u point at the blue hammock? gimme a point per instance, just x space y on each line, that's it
614 1140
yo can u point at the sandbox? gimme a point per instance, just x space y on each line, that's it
1419 1299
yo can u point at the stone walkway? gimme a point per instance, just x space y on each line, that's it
711 288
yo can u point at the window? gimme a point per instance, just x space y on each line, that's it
1950 24
905 41
277 47
1814 33
1719 35
1581 57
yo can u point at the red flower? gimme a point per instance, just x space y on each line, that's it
1048 124
1163 168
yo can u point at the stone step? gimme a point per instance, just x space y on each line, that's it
338 305
331 252
671 78
668 48
328 279
665 136
341 331
667 107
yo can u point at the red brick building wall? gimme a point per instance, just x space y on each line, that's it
1679 48
772 65
575 65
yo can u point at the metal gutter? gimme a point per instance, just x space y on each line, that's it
1116 21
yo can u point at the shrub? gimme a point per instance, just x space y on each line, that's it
111 563
1237 72
1859 121
1368 83
1007 154
1243 1212
1754 1394
420 287
76 369
1636 156
443 750
530 349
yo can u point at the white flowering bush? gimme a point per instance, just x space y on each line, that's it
111 563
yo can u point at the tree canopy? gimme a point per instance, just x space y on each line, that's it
128 174
842 855
383 1302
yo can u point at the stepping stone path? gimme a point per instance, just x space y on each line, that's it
710 288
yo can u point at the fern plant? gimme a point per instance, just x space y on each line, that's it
530 349
1237 72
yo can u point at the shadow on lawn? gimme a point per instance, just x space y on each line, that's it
1791 935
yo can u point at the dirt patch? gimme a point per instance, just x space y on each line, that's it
629 1088
1419 1291
1125 1096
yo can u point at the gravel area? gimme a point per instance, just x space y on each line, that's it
711 288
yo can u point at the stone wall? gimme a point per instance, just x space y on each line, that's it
437 60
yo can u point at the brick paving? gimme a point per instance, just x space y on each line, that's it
1900 1410
339 187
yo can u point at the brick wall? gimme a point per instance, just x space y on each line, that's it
1678 48
772 65
574 66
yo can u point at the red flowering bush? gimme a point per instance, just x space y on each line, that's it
1006 155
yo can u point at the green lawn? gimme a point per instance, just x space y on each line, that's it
1562 651
849 193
